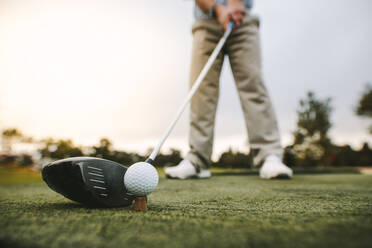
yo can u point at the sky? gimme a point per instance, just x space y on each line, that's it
87 69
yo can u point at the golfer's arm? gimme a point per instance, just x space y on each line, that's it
205 5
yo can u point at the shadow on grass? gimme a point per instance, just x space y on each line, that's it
296 171
80 208
61 205
70 206
15 244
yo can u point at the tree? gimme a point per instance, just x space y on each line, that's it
60 149
24 160
103 150
9 136
171 158
311 140
364 107
231 159
365 155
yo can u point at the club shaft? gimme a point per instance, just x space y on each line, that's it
192 91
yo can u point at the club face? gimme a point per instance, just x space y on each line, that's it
90 181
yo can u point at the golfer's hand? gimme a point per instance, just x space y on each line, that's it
234 11
237 10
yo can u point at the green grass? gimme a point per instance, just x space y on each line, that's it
225 211
18 175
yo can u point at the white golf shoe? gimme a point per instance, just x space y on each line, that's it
274 168
185 170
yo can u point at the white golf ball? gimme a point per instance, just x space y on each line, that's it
141 179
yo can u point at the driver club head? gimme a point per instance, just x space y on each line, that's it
90 181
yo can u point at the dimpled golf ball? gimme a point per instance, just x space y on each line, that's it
141 179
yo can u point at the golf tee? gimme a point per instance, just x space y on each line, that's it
140 203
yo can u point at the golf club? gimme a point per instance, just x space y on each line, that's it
94 181
192 91
90 181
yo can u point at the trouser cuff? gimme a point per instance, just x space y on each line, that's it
260 154
197 161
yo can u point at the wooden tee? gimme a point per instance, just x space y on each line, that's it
140 203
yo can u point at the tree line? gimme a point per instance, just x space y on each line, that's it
311 145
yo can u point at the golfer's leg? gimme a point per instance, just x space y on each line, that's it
203 105
243 49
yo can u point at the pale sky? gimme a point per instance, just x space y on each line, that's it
86 69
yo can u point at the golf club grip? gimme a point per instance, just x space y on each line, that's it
193 89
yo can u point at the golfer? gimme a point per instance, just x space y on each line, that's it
243 49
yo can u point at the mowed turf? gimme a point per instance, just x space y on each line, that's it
333 210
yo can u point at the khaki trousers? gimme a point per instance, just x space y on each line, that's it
243 50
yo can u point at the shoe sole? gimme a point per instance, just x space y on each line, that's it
282 176
192 177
